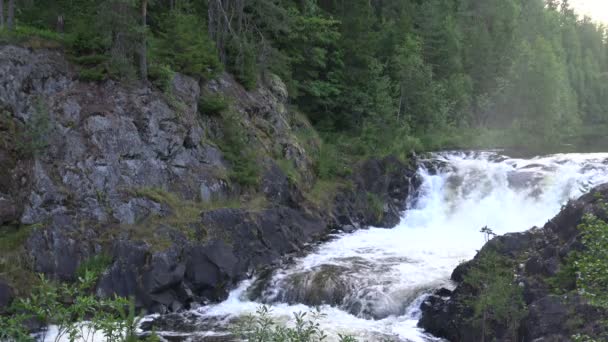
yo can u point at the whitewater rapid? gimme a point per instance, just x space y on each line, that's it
393 269
381 276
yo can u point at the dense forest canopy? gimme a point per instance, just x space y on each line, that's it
393 75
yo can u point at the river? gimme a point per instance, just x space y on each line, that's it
370 283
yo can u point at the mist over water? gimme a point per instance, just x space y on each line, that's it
373 281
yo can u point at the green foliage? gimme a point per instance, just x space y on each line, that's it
239 152
592 263
387 76
262 328
183 45
376 205
289 169
161 76
95 74
213 104
583 338
95 265
498 300
34 140
75 312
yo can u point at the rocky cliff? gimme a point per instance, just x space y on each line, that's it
554 309
138 181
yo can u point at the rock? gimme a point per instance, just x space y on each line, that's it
9 211
6 296
324 285
122 160
539 254
54 250
387 180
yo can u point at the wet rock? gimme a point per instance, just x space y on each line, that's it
387 182
324 285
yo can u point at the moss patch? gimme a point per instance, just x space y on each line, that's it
323 193
14 265
184 216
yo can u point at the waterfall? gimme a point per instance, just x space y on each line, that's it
370 283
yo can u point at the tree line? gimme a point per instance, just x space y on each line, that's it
391 74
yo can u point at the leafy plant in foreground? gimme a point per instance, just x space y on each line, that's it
261 327
74 310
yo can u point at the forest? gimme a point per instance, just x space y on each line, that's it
381 76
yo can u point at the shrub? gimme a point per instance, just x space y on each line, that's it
74 310
34 139
213 104
95 265
92 74
186 46
591 264
376 205
237 149
332 162
497 300
161 76
262 328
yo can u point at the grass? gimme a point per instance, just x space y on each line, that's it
14 265
184 216
376 205
213 104
323 192
32 37
289 169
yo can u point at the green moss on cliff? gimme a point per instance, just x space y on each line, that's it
14 264
183 215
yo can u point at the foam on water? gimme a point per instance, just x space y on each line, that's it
394 268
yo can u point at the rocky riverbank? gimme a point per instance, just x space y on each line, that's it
139 178
553 309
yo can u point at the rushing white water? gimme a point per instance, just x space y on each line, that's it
388 271
380 276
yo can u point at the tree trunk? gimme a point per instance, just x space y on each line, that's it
1 13
11 15
143 53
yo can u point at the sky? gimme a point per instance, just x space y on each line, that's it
596 9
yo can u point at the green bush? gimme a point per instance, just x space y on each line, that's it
262 328
34 139
90 60
161 76
186 46
95 265
498 300
96 74
332 162
69 306
591 264
376 205
213 104
239 152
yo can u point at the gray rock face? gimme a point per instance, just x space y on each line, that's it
109 151
105 140
386 180
205 271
